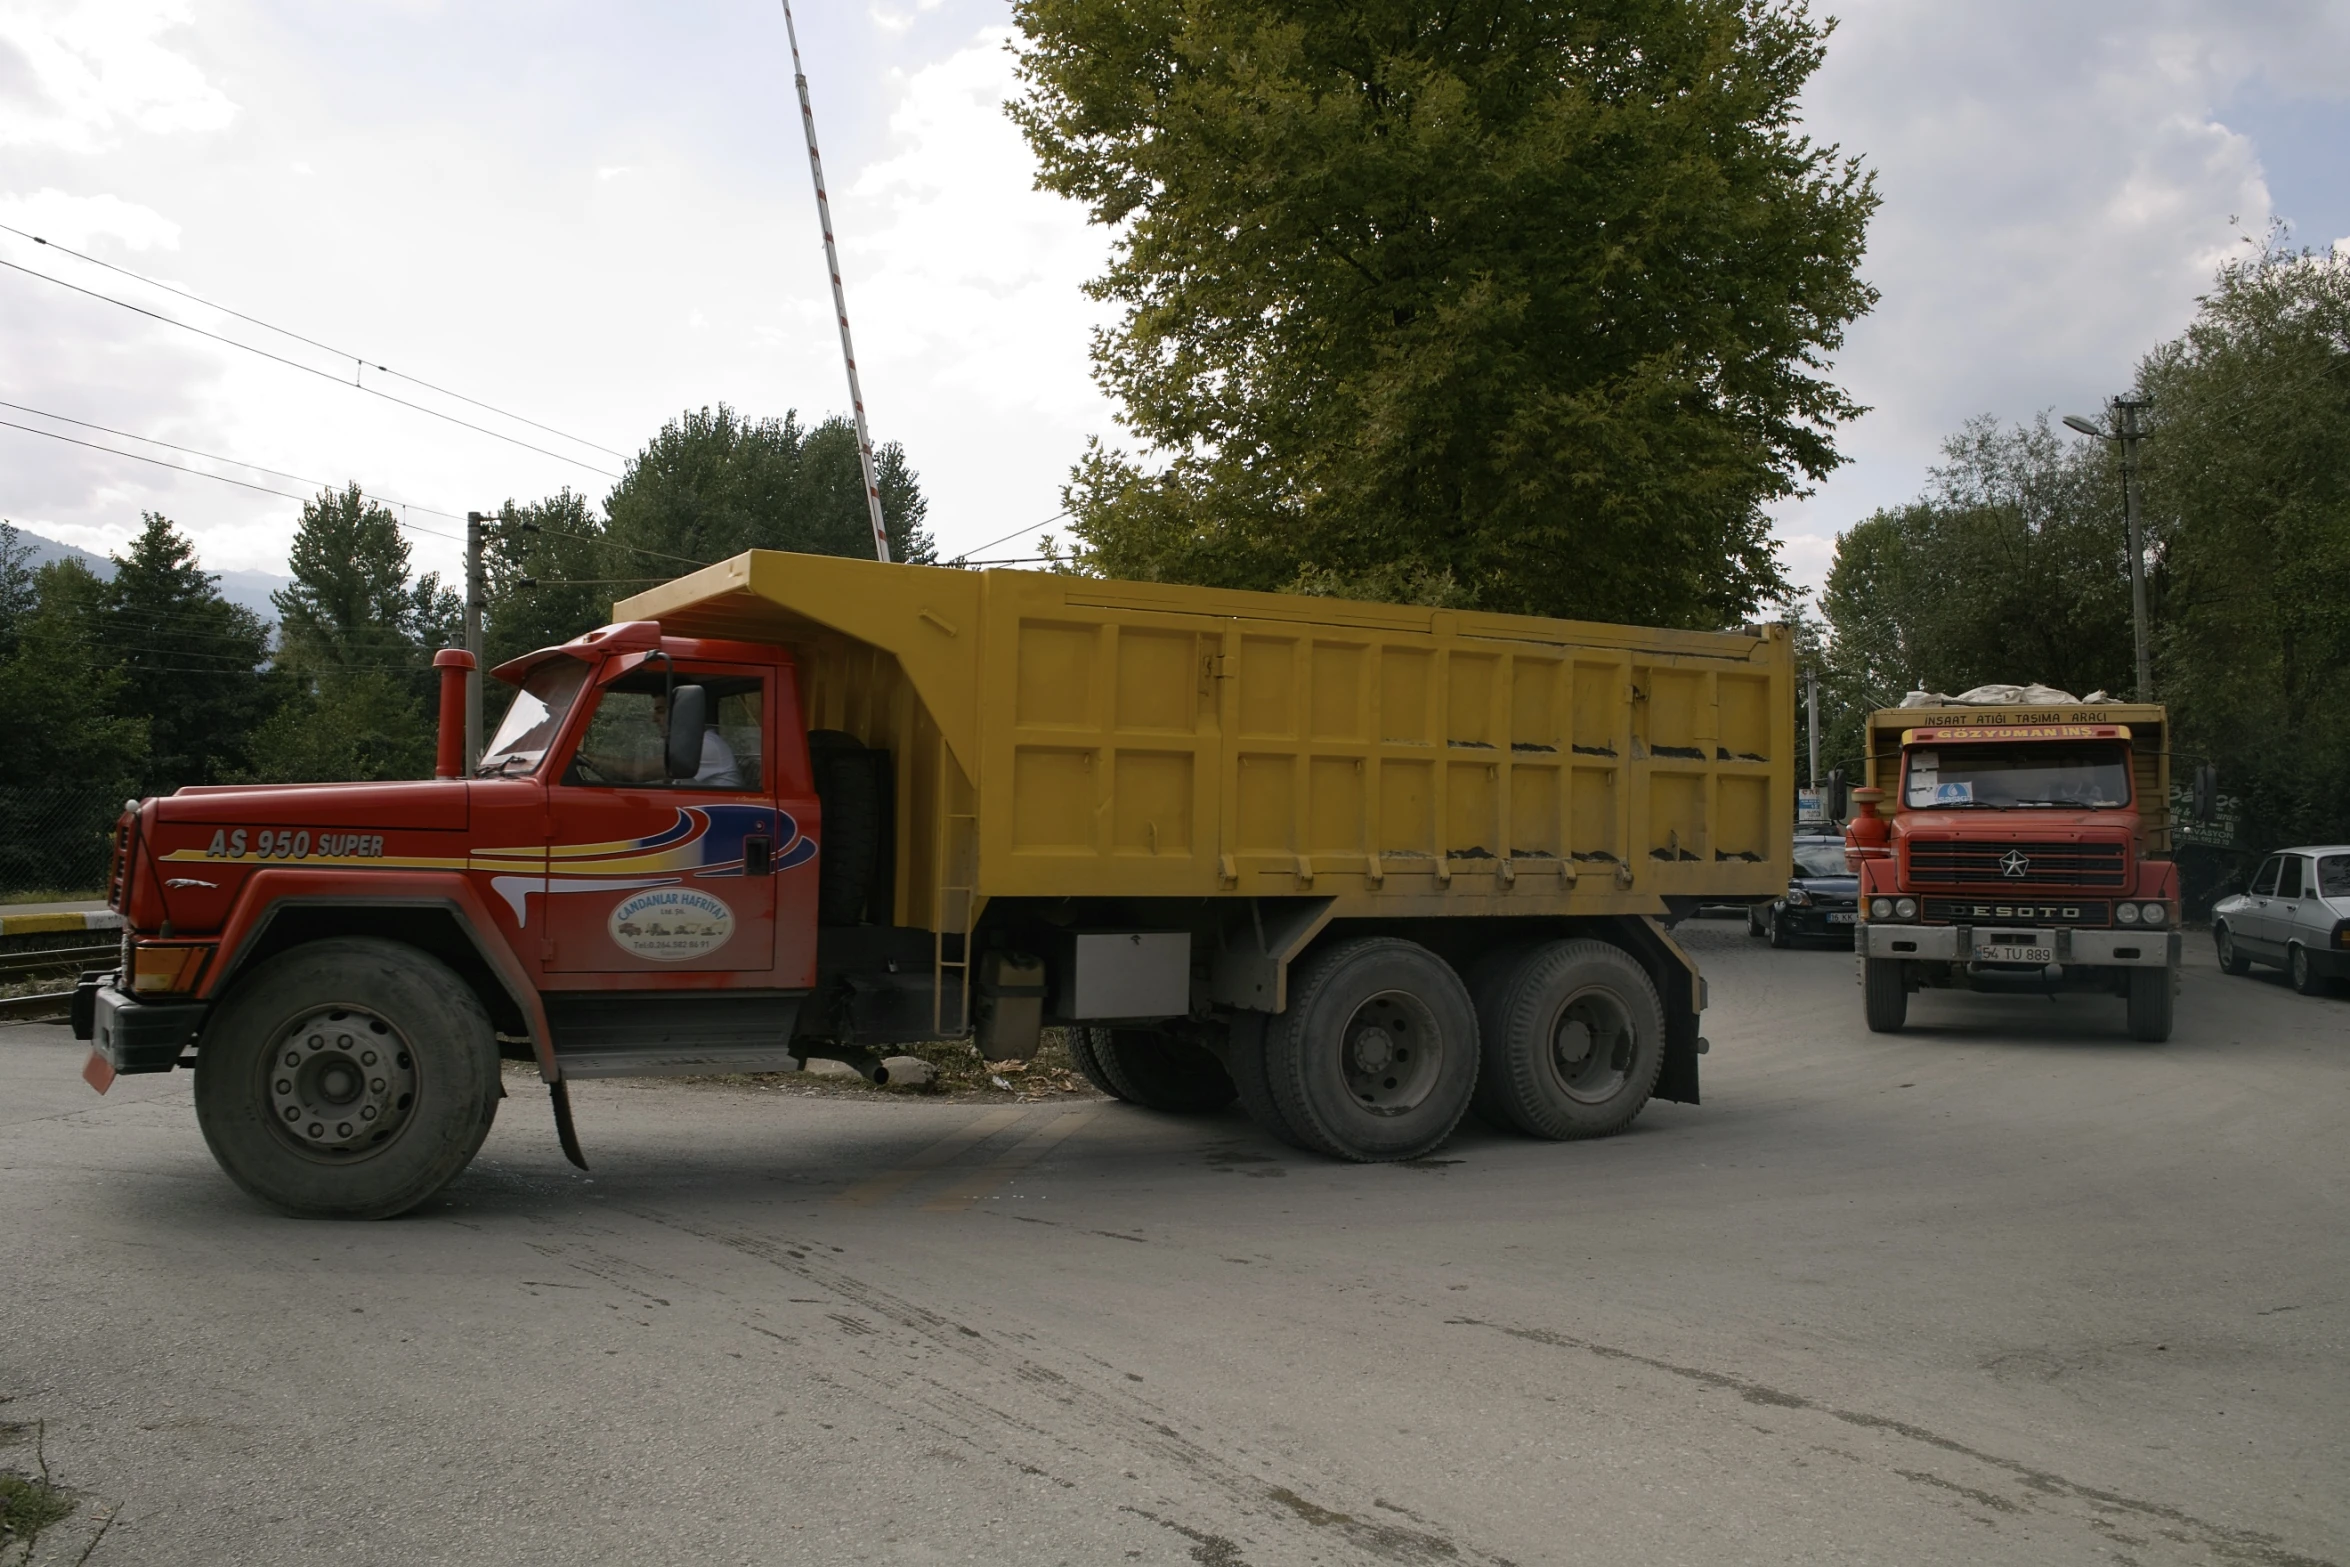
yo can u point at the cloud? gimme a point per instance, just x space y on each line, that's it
2058 190
965 286
70 74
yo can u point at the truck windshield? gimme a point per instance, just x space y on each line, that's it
1998 777
532 719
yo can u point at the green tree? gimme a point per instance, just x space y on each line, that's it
353 603
357 633
713 484
2013 567
72 756
1536 297
2248 487
17 596
557 546
191 661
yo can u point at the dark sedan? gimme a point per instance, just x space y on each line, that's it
1822 900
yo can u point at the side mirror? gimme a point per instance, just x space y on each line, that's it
689 715
1839 805
2206 794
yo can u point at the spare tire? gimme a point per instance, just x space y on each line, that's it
850 850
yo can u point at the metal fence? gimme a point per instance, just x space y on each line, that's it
55 839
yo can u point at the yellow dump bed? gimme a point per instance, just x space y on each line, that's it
1066 736
2147 722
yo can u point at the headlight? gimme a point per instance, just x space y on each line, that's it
2127 914
1881 908
1905 908
2156 914
1797 897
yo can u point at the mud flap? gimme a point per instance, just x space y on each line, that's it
1682 990
565 1133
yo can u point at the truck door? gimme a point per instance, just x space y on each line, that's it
652 875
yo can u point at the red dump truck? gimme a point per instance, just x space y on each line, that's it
1358 865
2020 849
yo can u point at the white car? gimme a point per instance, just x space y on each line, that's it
2296 916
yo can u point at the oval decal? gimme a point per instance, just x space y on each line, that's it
671 924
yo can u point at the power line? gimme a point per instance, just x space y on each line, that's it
218 478
234 462
340 353
295 364
1007 538
238 462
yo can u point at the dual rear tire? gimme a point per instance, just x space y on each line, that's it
1383 1048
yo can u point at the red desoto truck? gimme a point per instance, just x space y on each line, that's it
1358 865
2021 850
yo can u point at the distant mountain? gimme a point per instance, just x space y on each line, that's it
249 588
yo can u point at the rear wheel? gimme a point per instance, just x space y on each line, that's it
2149 1005
1885 997
1754 919
347 1079
1088 1062
1376 1057
1244 1061
2231 956
1161 1071
1572 1039
2302 974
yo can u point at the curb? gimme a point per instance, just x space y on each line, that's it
42 924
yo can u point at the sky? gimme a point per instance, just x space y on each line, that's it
595 215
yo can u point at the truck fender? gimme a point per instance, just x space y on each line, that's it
1682 990
346 905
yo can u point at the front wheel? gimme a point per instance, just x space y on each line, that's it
347 1079
1779 936
1885 997
2231 957
2149 1005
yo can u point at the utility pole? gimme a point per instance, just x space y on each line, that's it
473 596
2126 411
840 302
2125 432
1811 700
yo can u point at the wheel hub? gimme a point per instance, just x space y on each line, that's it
340 1082
1592 1044
1391 1054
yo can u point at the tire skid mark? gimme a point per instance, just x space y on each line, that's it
2253 1546
889 1183
960 1197
1125 1417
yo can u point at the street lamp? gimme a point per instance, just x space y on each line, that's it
2125 431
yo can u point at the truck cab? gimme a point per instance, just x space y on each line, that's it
2022 853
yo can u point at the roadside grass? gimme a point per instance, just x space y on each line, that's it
50 895
28 1503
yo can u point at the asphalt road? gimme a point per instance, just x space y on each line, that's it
2005 1288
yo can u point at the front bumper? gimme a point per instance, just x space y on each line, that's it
139 1036
2071 948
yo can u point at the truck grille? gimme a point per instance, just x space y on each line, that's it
1976 863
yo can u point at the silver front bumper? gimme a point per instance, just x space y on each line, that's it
1963 944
